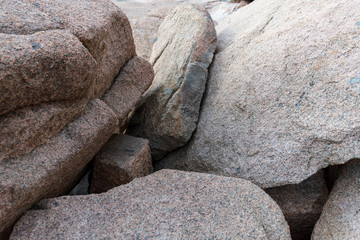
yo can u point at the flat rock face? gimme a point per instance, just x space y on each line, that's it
180 57
283 94
134 79
301 204
165 205
101 27
122 159
26 128
340 218
53 168
42 67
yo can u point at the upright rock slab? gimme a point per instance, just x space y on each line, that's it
53 168
122 159
181 55
301 204
282 100
164 205
340 218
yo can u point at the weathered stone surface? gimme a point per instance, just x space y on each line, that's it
100 26
134 79
24 129
340 218
283 94
301 204
146 16
181 55
46 66
164 205
53 168
122 159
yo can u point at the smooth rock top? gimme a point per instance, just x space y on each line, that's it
340 218
282 100
165 205
181 55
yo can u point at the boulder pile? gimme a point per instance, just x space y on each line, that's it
247 111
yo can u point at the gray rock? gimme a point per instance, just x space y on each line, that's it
146 16
340 219
283 94
55 167
301 204
122 159
181 55
164 205
82 188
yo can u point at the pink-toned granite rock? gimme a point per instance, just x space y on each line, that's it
165 205
43 67
134 79
122 159
340 218
169 110
53 168
301 204
101 27
24 129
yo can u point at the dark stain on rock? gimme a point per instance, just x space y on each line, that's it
36 46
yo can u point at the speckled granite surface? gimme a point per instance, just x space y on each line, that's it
340 219
134 79
121 159
165 205
53 168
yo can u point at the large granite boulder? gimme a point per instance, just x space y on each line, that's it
181 55
122 159
56 58
301 204
165 205
340 218
55 167
283 94
146 16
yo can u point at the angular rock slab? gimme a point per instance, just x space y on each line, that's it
27 128
301 204
164 205
122 159
181 55
42 67
340 218
282 99
53 168
134 79
100 25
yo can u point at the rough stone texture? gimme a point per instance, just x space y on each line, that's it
283 93
122 159
134 79
340 218
24 129
181 55
146 16
53 168
164 205
46 66
100 26
301 204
